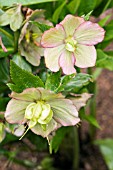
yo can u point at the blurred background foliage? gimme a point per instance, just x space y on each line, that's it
66 142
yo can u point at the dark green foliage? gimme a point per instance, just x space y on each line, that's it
23 2
57 139
7 40
3 103
73 6
104 60
53 81
106 148
4 70
89 118
78 82
42 27
21 62
22 79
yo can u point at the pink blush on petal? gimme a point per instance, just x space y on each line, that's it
89 33
66 62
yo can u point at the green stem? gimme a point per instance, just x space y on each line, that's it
97 73
93 111
93 90
8 35
11 156
16 37
75 149
106 6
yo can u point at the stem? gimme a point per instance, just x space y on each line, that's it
106 6
7 34
92 130
75 149
97 73
93 90
16 37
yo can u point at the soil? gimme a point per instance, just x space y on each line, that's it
105 105
91 157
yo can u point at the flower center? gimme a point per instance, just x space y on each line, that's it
70 44
39 112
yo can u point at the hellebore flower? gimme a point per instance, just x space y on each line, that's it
43 110
29 41
12 16
71 43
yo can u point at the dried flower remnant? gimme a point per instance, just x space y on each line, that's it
42 110
71 43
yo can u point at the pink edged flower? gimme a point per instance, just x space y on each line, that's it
71 43
42 110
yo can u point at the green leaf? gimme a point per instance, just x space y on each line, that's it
19 60
92 120
47 163
4 72
109 31
104 60
106 6
8 138
103 21
97 73
7 40
39 142
57 139
78 82
109 53
23 2
58 12
22 79
42 27
98 2
87 16
73 6
64 81
108 35
86 6
1 11
53 81
5 54
3 103
106 148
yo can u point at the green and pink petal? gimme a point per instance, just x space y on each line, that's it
85 56
30 95
67 62
52 57
15 111
64 111
50 127
53 37
71 23
47 95
89 33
